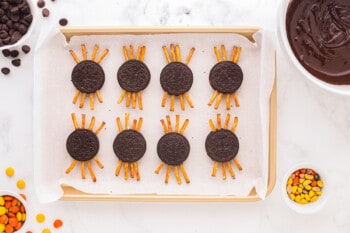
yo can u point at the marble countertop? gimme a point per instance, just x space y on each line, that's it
313 126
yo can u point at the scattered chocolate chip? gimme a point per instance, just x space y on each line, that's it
46 12
26 49
41 3
16 62
14 53
63 22
5 70
6 52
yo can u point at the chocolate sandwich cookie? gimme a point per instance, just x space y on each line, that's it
88 76
82 145
173 149
222 145
176 78
226 77
133 76
129 146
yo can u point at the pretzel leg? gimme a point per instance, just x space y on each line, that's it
223 51
132 172
232 173
211 101
119 166
184 173
127 104
189 101
139 124
127 115
234 51
104 53
134 122
218 120
83 170
165 50
99 97
159 168
172 50
138 53
227 120
238 165
72 53
83 50
182 102
164 126
119 123
121 97
143 51
133 100
235 122
169 124
177 53
218 100
92 174
223 169
100 127
91 101
82 100
215 168
83 117
76 95
211 124
126 174
94 52
172 103
72 165
74 119
139 99
165 96
228 104
237 55
98 162
131 52
235 99
92 123
125 52
177 121
167 174
176 171
183 128
188 59
136 166
217 54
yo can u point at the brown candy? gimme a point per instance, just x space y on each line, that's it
5 70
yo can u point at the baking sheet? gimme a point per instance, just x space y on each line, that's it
54 92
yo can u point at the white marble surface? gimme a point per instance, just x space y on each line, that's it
313 126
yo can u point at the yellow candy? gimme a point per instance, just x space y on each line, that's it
300 190
10 171
2 227
320 183
314 198
290 180
311 193
46 230
2 201
21 184
297 198
292 197
294 188
306 196
19 216
3 210
40 218
303 201
319 193
308 187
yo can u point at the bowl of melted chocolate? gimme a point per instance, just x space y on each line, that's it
316 37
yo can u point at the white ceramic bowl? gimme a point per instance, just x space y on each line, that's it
28 33
310 207
24 202
283 40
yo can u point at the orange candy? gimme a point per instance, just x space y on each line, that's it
58 223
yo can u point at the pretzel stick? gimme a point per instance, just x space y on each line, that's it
91 101
72 165
119 166
76 59
83 170
176 171
218 120
92 123
177 53
134 122
121 97
131 52
83 117
119 123
188 59
98 162
83 50
182 102
217 54
177 123
223 51
235 98
233 54
182 168
82 100
93 177
127 115
238 165
104 53
138 55
159 168
74 119
164 126
172 50
227 120
165 50
132 174
139 97
127 104
126 175
211 101
189 101
218 100
215 168
137 171
76 95
169 124
211 124
237 55
143 51
94 52
133 100
99 97
235 122
228 107
223 169
165 96
230 170
167 174
183 128
100 127
172 102
139 124
125 52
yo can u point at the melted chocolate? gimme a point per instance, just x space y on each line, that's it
319 34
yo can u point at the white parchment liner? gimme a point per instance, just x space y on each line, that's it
53 93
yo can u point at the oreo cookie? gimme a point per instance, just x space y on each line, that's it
222 145
129 146
173 149
133 76
82 145
176 78
88 76
226 77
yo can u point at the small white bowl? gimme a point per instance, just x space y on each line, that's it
24 202
28 33
311 207
283 40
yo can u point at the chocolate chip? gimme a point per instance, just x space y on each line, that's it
16 62
2 12
6 52
4 5
3 34
22 29
26 49
46 12
5 70
63 22
14 10
15 37
14 53
14 17
28 18
41 3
